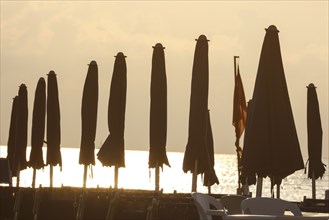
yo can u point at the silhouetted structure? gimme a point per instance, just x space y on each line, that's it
12 135
89 118
210 177
38 128
239 115
112 151
316 168
158 112
245 178
272 143
196 158
53 125
20 162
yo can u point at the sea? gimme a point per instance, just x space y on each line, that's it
137 175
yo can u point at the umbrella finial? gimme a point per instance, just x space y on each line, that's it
52 72
158 45
93 62
311 86
202 37
272 28
120 54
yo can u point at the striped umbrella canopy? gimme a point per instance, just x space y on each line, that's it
38 125
20 162
12 135
112 151
158 109
89 116
53 122
273 148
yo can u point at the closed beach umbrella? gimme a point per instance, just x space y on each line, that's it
89 118
20 162
53 125
210 177
12 135
112 151
38 127
245 178
273 148
196 158
316 168
158 112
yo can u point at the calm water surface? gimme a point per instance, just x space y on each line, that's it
136 175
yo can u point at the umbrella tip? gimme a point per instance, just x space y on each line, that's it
120 54
202 37
311 85
159 45
93 62
22 85
272 28
51 73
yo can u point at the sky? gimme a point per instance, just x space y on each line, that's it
65 36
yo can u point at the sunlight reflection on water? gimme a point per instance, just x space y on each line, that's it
136 175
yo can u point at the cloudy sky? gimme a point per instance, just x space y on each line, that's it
65 36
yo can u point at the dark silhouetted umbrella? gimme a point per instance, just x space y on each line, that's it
210 177
89 118
273 148
239 114
20 162
196 158
316 168
12 136
53 125
38 128
158 113
112 151
251 178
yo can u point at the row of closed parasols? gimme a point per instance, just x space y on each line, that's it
271 147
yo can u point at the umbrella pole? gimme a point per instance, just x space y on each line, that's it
157 177
34 177
313 186
237 140
238 161
18 176
195 176
259 186
85 170
51 175
278 191
116 175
